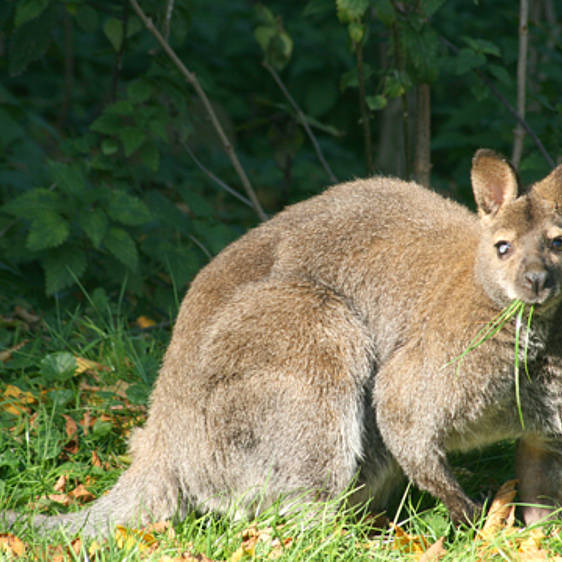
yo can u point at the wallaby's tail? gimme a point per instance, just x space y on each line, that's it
145 492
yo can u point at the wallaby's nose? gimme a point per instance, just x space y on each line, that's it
536 280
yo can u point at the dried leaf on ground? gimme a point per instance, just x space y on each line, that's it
410 543
499 529
96 461
81 494
83 365
60 484
11 545
71 430
144 322
63 499
502 511
15 400
253 535
70 426
6 354
62 553
127 539
25 315
434 552
186 557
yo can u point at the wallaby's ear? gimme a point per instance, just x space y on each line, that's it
550 188
494 181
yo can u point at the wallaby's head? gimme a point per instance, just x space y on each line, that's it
520 252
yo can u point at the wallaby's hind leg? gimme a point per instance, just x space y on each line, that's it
413 432
539 470
280 397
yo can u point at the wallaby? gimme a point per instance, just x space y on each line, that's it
319 351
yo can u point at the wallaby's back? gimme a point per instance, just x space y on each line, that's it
319 348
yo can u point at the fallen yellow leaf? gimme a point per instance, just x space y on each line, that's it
15 400
94 548
81 493
434 552
145 322
502 511
83 365
60 484
412 543
10 544
129 538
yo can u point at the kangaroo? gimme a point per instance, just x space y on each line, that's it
319 350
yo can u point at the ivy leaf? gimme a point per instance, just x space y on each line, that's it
48 230
429 7
120 244
148 154
107 123
501 74
139 91
109 146
127 209
69 178
482 46
132 138
113 29
423 48
376 103
275 42
94 223
351 10
60 365
87 18
356 32
385 12
32 203
467 60
121 107
27 10
62 266
30 41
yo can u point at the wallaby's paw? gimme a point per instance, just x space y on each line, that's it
466 512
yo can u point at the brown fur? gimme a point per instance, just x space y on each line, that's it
318 347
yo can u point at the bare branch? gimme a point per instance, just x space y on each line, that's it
519 132
365 117
168 18
192 79
509 107
217 180
119 54
423 134
302 119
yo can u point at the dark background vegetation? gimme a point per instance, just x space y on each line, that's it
99 190
109 160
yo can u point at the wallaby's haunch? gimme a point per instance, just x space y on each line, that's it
319 347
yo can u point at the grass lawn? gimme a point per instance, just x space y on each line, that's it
73 385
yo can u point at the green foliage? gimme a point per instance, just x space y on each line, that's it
274 41
96 187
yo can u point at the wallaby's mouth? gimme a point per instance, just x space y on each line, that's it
547 299
538 286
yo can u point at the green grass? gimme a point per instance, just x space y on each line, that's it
36 450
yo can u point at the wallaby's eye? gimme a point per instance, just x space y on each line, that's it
503 248
556 244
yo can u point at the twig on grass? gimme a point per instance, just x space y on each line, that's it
192 79
302 119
